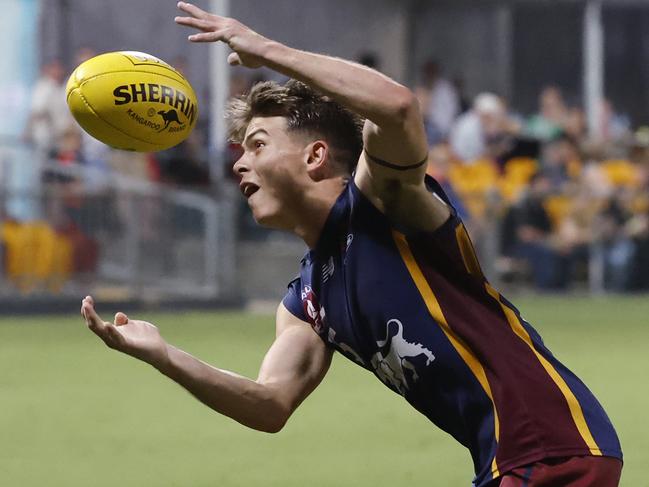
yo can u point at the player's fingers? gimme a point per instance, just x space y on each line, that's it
234 59
196 23
94 322
85 302
89 300
207 37
192 10
120 319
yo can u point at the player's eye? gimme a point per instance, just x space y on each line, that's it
259 144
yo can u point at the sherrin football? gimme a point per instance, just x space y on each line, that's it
132 101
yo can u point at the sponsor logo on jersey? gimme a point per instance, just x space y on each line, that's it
328 269
314 312
397 356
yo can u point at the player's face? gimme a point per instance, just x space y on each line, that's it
272 171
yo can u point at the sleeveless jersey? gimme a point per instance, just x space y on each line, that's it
416 310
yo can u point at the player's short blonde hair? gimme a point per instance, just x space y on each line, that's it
305 111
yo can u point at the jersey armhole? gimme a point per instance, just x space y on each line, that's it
292 300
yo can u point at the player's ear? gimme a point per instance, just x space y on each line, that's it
318 163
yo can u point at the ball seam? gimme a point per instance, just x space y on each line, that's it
87 103
103 73
165 65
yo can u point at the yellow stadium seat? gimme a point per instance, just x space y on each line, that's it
574 168
13 239
620 172
36 256
473 182
520 168
516 176
558 207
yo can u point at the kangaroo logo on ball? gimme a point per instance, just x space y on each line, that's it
168 117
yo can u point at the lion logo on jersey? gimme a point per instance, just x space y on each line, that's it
390 365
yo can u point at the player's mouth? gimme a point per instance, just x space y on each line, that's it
248 189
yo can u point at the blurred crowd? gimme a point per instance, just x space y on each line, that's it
75 192
52 131
547 201
566 204
562 203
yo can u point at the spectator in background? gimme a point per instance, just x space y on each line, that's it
639 280
615 246
613 127
638 225
550 121
530 236
65 152
463 98
49 116
93 153
560 161
185 164
575 125
440 103
440 160
482 131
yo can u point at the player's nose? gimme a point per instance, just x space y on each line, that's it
241 166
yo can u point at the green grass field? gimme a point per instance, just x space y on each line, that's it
73 413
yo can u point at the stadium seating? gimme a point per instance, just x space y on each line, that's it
36 257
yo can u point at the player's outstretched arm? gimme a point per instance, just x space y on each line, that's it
391 171
384 102
293 367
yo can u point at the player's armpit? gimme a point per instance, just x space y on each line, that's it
295 364
392 166
401 194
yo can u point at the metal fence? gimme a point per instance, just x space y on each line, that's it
67 230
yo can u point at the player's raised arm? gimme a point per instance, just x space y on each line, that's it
394 132
293 367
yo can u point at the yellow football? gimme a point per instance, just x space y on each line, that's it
132 101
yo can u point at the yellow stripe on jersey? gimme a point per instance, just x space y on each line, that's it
573 404
436 312
468 253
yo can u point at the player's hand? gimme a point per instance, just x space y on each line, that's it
246 43
139 339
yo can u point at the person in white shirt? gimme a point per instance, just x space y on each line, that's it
439 101
49 116
473 131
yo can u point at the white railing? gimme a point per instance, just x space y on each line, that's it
119 237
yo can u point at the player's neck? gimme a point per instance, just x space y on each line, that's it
316 208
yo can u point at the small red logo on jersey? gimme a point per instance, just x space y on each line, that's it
312 309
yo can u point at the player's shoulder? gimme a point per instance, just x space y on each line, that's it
292 300
417 205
